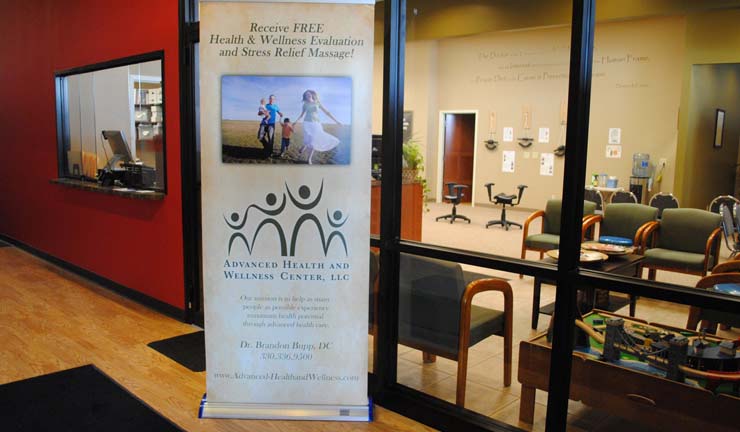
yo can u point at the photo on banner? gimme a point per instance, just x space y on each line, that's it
285 157
286 119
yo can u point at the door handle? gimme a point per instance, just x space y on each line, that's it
641 399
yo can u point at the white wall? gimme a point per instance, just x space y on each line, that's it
112 108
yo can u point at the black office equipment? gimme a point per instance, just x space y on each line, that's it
130 172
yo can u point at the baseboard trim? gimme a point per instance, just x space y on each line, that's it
129 293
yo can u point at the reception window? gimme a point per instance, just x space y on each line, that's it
111 123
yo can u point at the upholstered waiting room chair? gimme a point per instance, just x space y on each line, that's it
549 238
686 240
729 266
436 314
710 318
623 224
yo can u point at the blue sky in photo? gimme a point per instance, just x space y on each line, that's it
241 94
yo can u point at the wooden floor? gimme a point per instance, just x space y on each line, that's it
51 320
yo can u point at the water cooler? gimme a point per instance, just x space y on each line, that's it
639 187
640 179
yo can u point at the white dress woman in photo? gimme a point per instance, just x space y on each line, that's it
314 136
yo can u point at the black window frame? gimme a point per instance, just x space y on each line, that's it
62 113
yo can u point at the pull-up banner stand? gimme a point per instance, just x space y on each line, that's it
285 93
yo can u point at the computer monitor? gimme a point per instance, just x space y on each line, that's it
119 147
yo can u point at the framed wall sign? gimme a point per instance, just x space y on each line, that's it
719 128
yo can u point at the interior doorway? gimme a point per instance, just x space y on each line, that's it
457 147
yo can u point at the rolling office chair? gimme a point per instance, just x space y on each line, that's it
454 196
504 200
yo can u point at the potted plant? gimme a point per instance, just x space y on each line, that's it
413 166
413 160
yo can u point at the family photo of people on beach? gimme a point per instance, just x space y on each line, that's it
286 119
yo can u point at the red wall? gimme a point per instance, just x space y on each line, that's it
135 243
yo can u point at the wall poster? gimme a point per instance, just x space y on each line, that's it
285 158
508 159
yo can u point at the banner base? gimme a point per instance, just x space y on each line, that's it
358 413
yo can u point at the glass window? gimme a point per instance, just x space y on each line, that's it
662 164
485 107
663 150
112 124
485 118
458 335
670 360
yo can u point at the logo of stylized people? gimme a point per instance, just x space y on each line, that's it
303 202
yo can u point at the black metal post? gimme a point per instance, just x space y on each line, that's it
189 161
579 97
390 197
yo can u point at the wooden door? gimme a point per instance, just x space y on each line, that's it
458 152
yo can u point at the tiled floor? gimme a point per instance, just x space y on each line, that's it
485 391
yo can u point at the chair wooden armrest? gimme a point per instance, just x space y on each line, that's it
466 304
639 236
704 283
589 222
586 225
730 266
587 217
649 232
530 219
713 237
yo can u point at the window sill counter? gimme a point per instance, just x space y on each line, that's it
110 190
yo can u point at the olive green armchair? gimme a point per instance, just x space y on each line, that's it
549 238
623 224
437 317
686 240
708 317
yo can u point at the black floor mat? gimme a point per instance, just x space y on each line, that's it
80 399
189 350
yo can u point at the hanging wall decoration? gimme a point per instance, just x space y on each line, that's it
560 149
527 140
491 142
